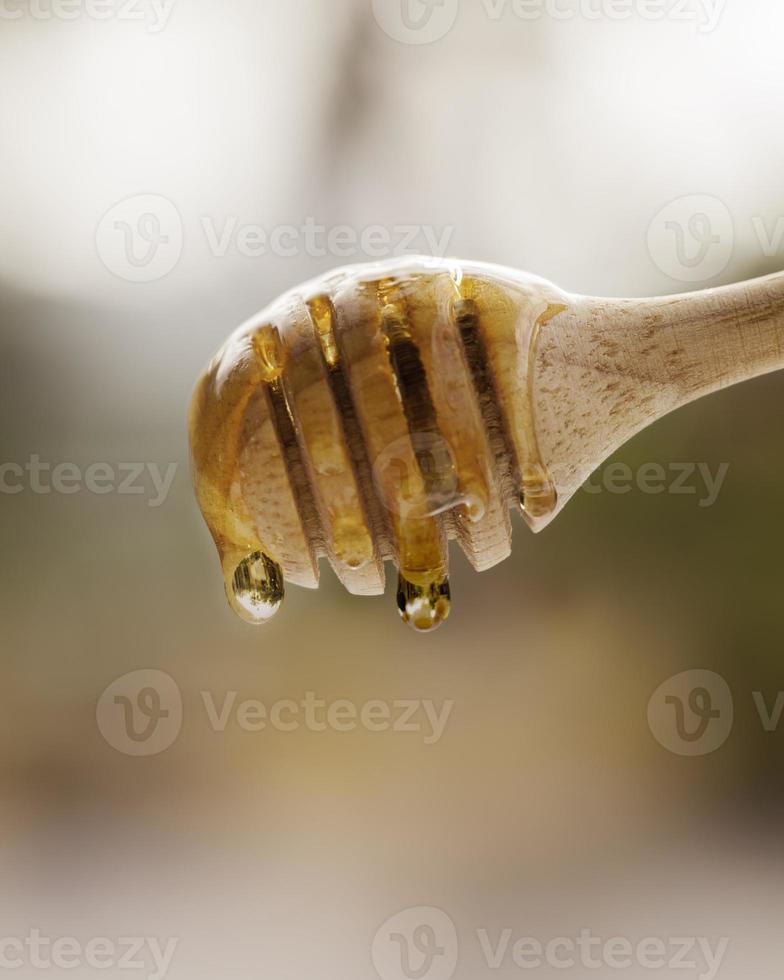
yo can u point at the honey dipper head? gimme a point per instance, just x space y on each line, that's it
371 416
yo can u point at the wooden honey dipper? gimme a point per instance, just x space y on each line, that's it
379 411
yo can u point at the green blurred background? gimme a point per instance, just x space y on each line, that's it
547 806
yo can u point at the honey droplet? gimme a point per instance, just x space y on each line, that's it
323 314
424 608
539 497
256 590
269 352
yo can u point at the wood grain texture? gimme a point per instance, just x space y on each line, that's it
607 368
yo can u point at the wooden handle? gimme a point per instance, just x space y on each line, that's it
610 367
711 339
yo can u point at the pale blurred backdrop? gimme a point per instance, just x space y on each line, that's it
548 804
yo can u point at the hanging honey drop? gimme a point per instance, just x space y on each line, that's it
424 608
256 590
539 497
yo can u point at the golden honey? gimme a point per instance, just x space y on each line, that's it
372 416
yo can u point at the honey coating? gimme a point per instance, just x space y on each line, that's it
372 416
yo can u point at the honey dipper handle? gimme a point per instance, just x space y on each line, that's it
607 368
704 341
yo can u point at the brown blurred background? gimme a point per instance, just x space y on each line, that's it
548 805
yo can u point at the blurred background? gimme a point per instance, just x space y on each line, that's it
147 151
